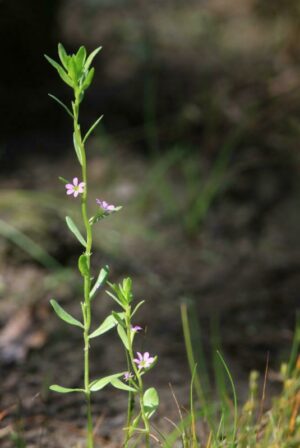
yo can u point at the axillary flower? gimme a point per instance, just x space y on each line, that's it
144 361
127 376
75 188
107 208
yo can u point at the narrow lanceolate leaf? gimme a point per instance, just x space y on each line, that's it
150 401
123 336
91 58
137 307
83 265
63 56
101 215
92 128
61 104
73 72
102 382
88 80
64 390
77 148
74 229
115 298
63 180
63 315
119 318
118 384
108 323
101 279
80 58
60 71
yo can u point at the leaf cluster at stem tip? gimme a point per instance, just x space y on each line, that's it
75 69
123 292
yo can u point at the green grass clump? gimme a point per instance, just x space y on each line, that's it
222 422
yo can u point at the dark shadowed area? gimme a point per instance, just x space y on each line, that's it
200 144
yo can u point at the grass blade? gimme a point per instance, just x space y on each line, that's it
235 404
28 245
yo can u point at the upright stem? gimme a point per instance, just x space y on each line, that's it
86 307
138 377
130 406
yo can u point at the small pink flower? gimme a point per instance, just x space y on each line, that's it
107 208
136 328
75 188
144 361
127 376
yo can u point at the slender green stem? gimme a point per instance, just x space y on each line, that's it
138 376
130 407
86 309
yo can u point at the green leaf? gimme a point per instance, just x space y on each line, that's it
120 385
120 293
127 285
134 423
64 390
63 315
108 323
150 401
73 72
63 180
77 148
119 318
80 58
61 104
63 56
101 214
96 218
137 307
123 336
74 229
102 382
126 290
92 128
103 274
115 298
83 265
91 58
88 80
60 71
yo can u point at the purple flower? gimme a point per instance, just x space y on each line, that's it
75 188
136 328
144 361
107 208
127 376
